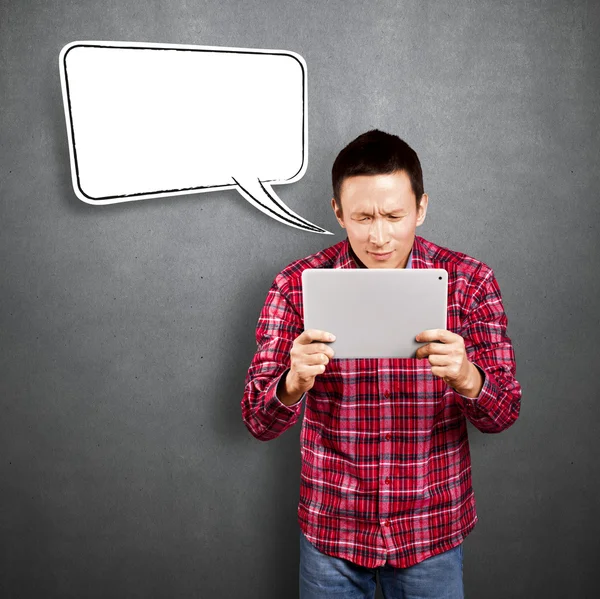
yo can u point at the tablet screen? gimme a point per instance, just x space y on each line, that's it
375 313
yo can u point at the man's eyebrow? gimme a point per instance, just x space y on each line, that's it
370 212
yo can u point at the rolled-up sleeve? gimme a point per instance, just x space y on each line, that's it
488 346
265 416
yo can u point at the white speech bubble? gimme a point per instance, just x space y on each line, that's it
156 120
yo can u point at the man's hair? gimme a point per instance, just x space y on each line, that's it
376 153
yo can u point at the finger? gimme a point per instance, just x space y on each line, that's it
438 360
313 359
318 348
311 335
300 358
436 335
434 349
439 371
308 371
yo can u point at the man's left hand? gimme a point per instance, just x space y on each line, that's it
448 358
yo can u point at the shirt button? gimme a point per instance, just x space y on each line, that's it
388 437
387 480
385 523
386 394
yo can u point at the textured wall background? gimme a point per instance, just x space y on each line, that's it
126 330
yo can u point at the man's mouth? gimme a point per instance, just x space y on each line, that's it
381 255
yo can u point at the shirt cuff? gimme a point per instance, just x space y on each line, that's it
486 396
273 403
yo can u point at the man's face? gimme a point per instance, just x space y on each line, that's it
380 215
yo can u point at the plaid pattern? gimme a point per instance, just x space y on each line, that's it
386 469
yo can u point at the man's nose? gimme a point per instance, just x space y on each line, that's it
378 234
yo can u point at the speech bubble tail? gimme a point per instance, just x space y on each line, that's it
262 196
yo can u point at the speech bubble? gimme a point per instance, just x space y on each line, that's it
156 120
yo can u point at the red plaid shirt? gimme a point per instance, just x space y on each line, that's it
386 469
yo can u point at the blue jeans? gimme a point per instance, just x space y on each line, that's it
323 576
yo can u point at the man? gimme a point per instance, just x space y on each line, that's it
386 470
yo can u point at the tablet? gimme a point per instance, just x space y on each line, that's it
375 313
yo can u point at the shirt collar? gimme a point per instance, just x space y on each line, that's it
420 257
344 258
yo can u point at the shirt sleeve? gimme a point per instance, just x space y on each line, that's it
265 416
490 349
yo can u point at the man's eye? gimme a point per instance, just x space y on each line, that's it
395 217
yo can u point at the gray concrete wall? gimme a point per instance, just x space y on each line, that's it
126 330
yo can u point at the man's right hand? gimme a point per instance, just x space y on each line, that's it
308 357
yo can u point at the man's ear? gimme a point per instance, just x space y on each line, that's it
337 210
422 209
